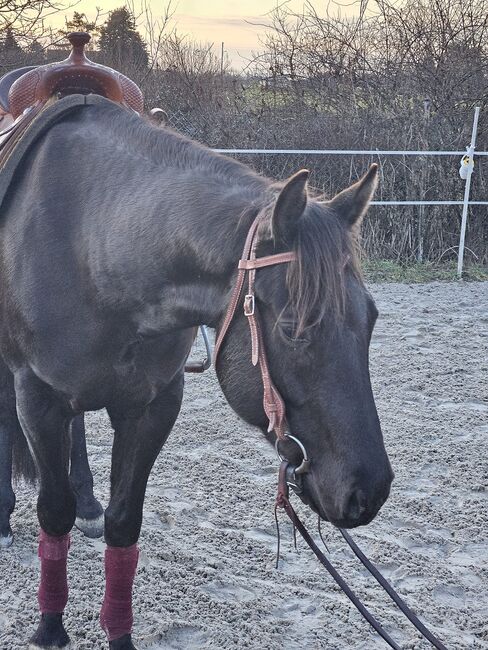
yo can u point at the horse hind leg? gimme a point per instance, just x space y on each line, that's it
137 443
7 495
89 512
10 435
45 419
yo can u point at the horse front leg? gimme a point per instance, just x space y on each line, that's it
45 418
89 512
137 443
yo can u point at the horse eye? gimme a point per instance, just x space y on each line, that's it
288 329
288 332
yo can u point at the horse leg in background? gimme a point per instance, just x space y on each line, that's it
7 495
89 512
8 423
137 442
45 417
13 452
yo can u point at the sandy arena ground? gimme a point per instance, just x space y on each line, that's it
206 575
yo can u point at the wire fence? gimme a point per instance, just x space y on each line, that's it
287 161
421 207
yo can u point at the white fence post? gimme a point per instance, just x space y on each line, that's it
467 188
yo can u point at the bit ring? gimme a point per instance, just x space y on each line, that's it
305 464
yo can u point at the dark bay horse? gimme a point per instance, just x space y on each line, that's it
89 512
118 240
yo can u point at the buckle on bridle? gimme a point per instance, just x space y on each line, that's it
304 465
249 304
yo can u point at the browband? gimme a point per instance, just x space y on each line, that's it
269 260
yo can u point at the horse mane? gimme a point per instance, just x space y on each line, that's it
165 146
324 245
325 249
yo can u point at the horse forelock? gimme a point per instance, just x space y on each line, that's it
317 281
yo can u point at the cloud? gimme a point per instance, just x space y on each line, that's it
240 22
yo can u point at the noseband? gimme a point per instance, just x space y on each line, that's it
273 403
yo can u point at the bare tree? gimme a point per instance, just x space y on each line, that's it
400 74
25 18
404 75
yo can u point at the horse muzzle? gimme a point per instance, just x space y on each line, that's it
354 507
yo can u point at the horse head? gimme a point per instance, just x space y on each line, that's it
316 318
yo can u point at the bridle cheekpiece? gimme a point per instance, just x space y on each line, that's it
273 403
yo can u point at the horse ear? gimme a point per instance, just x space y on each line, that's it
351 204
289 207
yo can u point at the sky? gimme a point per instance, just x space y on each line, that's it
214 21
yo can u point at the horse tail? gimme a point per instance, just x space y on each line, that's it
23 463
10 430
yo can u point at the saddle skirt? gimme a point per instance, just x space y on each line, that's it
6 82
29 128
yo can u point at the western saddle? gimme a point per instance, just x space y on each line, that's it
29 92
24 92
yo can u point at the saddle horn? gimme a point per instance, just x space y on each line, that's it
76 74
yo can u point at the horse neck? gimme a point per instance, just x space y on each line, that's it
202 245
179 219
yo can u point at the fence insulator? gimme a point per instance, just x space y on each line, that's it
464 166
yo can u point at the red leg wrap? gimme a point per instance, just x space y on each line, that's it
120 570
53 588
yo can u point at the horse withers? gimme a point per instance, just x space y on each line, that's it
118 240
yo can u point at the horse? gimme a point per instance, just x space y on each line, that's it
117 240
89 512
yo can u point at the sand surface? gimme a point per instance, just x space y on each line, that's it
206 575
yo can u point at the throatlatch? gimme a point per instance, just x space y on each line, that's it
273 403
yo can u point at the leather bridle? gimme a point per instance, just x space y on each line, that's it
273 403
274 408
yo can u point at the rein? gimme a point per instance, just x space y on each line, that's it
282 501
274 407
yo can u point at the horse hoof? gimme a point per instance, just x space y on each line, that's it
6 541
50 635
91 527
124 643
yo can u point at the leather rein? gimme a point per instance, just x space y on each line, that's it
274 407
282 501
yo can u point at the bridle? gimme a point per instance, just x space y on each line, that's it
273 403
274 407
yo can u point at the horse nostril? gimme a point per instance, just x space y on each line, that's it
355 506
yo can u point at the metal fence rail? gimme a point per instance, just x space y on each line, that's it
347 152
470 153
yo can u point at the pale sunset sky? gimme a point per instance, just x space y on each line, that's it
211 21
